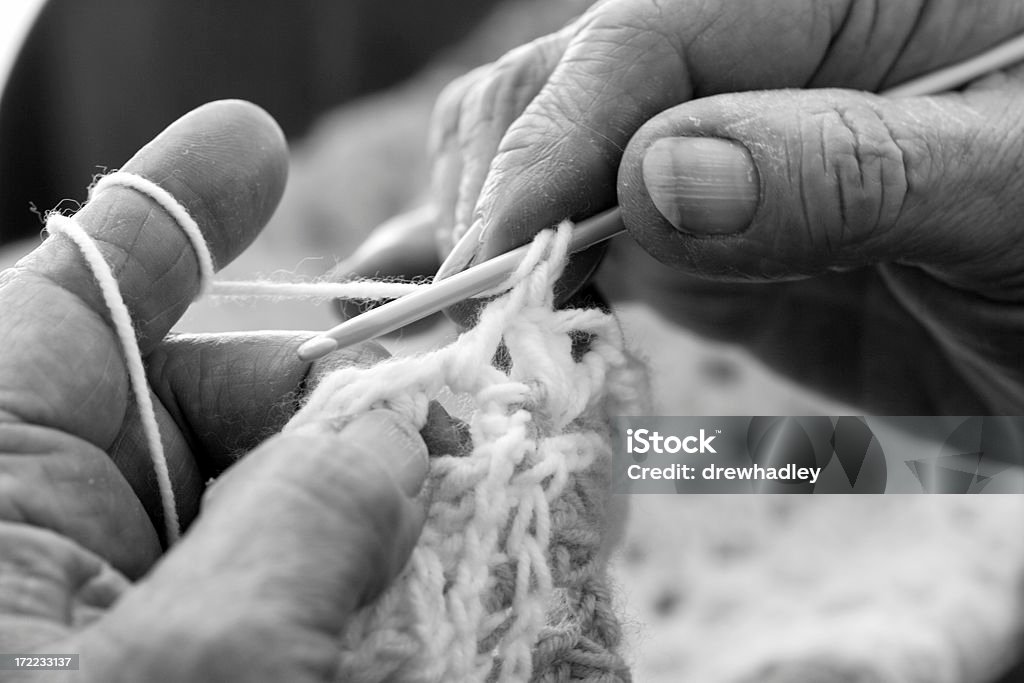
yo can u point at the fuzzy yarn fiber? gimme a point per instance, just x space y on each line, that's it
508 581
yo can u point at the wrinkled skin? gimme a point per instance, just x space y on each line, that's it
290 540
883 257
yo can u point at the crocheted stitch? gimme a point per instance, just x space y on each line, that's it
508 580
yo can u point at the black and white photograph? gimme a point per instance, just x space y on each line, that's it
512 341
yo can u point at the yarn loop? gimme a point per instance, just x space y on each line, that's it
507 582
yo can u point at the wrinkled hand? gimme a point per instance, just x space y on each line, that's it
882 233
290 541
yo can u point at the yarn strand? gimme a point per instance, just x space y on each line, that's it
120 317
505 583
313 291
173 208
56 224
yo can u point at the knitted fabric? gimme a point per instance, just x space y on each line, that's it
508 580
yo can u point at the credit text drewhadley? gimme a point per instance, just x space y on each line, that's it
818 454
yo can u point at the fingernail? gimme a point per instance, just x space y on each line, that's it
399 446
462 253
703 186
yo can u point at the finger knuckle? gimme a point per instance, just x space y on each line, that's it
631 23
531 142
444 123
866 171
498 98
631 54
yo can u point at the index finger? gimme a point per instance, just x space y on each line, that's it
226 163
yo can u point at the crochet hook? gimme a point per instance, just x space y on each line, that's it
479 278
451 290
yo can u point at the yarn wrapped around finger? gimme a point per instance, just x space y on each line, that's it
508 580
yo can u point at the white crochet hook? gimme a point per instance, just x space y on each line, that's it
444 293
479 278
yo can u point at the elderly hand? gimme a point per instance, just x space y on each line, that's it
289 542
882 234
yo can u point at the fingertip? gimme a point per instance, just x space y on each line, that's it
380 467
787 184
501 225
702 185
227 163
327 505
649 225
462 253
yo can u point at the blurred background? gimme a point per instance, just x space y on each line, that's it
711 588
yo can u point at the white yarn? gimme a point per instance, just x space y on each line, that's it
124 329
56 224
507 581
314 291
121 318
173 208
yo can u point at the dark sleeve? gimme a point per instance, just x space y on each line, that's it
97 79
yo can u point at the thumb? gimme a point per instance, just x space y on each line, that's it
291 540
785 184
